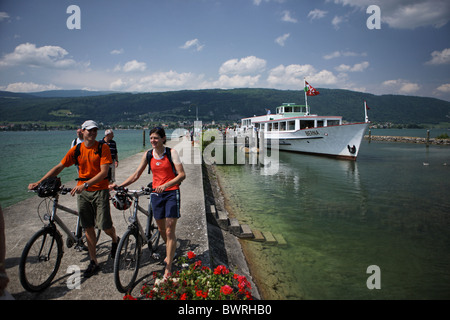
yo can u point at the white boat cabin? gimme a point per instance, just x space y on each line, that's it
289 117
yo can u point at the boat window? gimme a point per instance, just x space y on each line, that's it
332 122
282 126
305 124
275 126
291 125
287 109
320 123
269 127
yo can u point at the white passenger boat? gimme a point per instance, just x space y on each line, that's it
299 131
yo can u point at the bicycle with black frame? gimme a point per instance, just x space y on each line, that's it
43 253
129 249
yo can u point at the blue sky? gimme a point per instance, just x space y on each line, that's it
165 45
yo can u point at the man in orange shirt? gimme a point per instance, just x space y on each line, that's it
91 190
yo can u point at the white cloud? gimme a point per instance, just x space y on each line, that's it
445 88
338 54
440 57
28 54
293 76
281 40
159 81
236 81
337 20
194 43
117 51
4 16
413 15
317 14
245 66
258 2
29 87
119 84
287 17
407 14
401 86
355 68
132 66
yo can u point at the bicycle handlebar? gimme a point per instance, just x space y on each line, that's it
129 192
62 190
65 190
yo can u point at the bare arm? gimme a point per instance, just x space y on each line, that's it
136 175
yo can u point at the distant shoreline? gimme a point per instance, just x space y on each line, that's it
433 141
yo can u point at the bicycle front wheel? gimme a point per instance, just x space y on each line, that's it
41 259
126 263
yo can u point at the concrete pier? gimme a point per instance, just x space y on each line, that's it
192 232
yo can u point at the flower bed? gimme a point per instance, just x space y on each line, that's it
197 282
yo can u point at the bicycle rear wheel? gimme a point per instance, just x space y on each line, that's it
41 259
126 263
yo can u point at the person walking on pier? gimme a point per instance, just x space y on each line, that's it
92 189
108 139
168 173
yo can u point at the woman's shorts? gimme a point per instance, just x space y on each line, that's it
94 209
166 204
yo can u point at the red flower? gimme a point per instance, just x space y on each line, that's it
221 270
191 255
226 289
183 296
243 282
129 297
202 294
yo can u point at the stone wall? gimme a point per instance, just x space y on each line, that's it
408 140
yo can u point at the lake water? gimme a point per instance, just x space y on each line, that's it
338 217
28 155
390 209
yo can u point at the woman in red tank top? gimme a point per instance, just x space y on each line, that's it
165 200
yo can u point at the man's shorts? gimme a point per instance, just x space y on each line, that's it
94 209
166 204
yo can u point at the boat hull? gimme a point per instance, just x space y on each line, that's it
342 141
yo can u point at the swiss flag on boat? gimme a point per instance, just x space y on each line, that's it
310 91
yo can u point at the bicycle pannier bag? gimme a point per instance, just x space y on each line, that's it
49 187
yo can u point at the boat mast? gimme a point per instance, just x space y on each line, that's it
365 111
306 96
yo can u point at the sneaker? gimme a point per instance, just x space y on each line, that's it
92 269
114 248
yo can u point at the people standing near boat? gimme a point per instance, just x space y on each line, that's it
91 190
108 139
168 173
78 139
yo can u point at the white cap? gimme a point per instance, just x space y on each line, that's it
108 131
89 125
